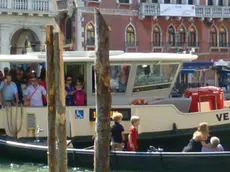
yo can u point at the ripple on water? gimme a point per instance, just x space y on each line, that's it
30 167
7 166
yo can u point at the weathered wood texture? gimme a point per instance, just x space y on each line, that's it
60 102
52 135
103 96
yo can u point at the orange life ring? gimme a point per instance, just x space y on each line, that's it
139 102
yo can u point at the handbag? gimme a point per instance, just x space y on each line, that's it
27 102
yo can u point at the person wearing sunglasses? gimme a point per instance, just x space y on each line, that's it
70 90
34 93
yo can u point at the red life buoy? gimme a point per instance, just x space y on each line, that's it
139 102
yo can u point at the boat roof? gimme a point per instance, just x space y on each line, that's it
89 56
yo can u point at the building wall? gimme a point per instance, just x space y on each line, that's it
119 16
24 21
69 46
14 30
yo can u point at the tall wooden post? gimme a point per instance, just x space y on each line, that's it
52 135
60 102
103 96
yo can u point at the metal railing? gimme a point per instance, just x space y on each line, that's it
22 5
219 44
153 9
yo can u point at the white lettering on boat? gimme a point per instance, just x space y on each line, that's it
222 116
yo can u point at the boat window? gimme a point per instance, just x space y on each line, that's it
75 70
119 77
155 76
75 84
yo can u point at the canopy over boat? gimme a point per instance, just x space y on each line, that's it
87 56
192 67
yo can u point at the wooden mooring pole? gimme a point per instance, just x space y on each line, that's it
60 102
52 135
103 96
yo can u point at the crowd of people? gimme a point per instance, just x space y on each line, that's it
19 86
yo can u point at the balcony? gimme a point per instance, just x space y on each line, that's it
153 9
43 7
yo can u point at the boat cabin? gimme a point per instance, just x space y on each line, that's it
205 98
146 76
193 75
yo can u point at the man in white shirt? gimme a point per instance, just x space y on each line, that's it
34 93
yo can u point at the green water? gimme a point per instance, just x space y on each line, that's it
14 167
8 166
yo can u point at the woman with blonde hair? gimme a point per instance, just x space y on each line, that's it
199 139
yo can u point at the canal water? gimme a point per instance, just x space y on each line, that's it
8 166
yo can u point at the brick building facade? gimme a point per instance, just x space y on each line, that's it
137 26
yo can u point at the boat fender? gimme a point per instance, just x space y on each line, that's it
174 127
139 102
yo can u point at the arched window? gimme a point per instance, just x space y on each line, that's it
171 36
130 36
68 31
222 37
213 37
182 36
90 34
192 36
156 36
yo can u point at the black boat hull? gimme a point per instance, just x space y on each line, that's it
140 161
170 141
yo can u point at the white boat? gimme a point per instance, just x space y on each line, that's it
165 121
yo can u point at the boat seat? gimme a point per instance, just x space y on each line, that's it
182 104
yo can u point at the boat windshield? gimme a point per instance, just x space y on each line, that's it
154 76
119 75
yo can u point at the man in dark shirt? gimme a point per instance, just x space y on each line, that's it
6 71
19 82
117 132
